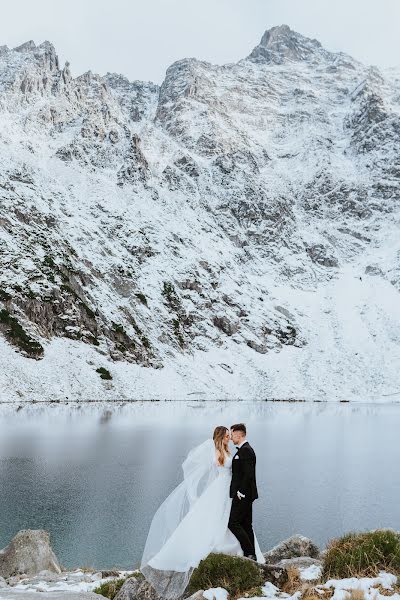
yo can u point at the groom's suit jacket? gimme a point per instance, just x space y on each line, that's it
244 473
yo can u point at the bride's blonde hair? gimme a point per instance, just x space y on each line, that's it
220 445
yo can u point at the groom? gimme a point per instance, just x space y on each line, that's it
243 491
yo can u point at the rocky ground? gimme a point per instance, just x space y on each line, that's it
293 570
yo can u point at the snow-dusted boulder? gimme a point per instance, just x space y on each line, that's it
29 552
295 546
301 562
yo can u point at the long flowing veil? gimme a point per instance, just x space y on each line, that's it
170 577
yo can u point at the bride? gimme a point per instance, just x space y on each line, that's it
193 520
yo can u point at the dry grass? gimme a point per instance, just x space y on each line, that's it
252 593
110 588
356 595
294 582
308 589
308 592
362 554
385 592
396 587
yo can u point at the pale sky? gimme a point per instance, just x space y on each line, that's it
141 38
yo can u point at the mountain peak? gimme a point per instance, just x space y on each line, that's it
26 46
31 47
280 44
44 54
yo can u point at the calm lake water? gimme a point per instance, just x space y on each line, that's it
93 475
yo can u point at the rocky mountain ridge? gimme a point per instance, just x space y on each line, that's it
230 233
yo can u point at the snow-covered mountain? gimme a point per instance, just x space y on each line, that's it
233 233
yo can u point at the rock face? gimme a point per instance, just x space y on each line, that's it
129 589
280 44
28 552
301 562
275 574
137 589
295 546
162 226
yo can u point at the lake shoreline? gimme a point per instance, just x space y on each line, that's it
294 568
99 470
198 401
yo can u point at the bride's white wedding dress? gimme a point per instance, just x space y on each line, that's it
191 523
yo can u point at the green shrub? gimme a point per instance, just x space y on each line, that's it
177 331
362 554
168 290
93 340
145 341
5 296
171 296
142 298
109 589
236 575
18 336
49 262
118 328
104 373
136 326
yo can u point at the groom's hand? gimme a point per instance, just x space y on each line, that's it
240 495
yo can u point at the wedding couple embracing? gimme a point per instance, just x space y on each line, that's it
209 511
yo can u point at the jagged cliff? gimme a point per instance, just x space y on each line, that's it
231 233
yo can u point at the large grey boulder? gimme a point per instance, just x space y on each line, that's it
296 545
28 552
3 583
137 588
129 589
275 574
301 562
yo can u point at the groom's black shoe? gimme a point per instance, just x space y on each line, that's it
251 556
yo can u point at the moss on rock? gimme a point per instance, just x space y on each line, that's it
237 575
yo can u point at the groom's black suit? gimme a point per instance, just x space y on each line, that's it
244 481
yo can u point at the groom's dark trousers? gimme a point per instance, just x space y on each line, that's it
244 481
240 523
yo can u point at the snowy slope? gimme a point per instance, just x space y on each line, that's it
232 233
